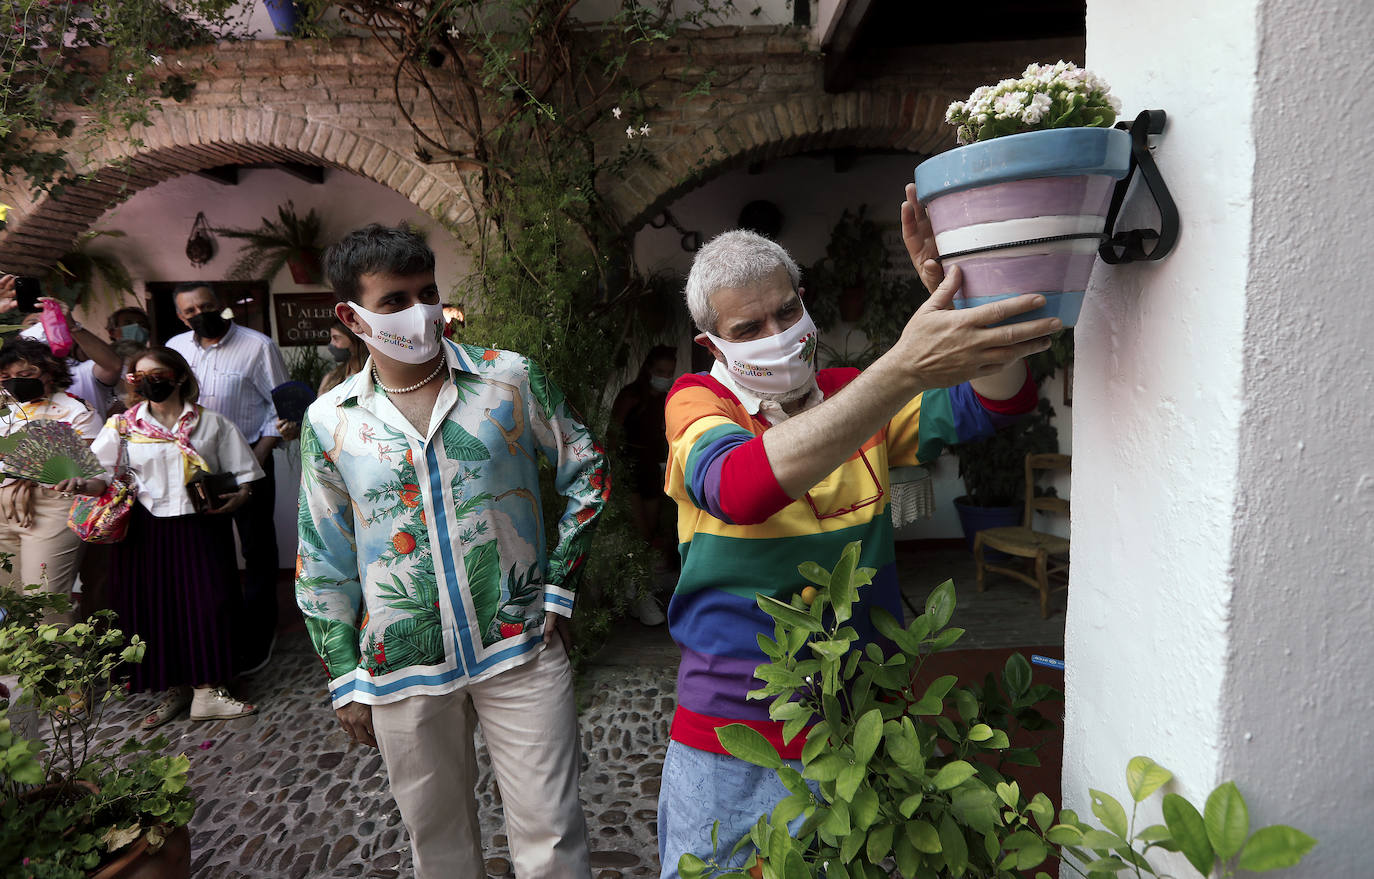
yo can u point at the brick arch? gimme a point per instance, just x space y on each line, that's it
909 120
184 140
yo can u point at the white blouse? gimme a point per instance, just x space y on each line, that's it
158 467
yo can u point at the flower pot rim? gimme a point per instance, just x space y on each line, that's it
1058 152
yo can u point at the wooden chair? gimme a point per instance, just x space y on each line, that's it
1047 552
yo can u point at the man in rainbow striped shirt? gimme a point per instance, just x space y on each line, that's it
773 463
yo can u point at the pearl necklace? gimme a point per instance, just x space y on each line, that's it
438 367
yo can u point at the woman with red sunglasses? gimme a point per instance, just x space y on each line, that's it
173 577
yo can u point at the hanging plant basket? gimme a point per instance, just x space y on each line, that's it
1025 213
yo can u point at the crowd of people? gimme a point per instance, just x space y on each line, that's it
435 594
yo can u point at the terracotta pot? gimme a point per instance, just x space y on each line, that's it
172 861
305 268
1024 214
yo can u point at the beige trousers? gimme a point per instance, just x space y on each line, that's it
47 552
529 723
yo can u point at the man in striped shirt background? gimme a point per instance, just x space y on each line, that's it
237 368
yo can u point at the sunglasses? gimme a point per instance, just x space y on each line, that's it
163 375
877 486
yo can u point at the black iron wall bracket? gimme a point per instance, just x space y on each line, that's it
1129 246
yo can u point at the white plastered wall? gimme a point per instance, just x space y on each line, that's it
1219 611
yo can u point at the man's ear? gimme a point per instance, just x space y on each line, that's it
345 313
801 292
705 341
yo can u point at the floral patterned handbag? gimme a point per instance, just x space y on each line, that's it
105 519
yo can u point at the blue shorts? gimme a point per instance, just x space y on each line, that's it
700 788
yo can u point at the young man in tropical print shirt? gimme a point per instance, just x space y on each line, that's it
423 574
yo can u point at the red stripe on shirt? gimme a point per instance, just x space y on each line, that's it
699 731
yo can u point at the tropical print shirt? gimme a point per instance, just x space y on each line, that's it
422 564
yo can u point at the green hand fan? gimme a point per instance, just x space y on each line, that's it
48 452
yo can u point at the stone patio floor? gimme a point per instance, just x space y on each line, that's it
282 793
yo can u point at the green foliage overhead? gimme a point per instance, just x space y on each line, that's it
101 60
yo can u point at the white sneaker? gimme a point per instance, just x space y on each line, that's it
648 611
215 703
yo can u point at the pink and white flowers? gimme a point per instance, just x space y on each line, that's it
1046 96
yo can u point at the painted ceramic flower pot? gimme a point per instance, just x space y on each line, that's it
1025 213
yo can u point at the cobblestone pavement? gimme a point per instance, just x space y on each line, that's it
282 794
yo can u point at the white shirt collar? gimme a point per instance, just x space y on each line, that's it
753 404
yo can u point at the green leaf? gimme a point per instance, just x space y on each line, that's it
483 566
842 591
923 836
1154 833
979 732
852 844
815 574
838 823
946 638
952 775
691 867
867 733
1103 840
1031 856
825 768
908 859
459 445
1009 793
1189 831
1042 810
880 843
1109 812
940 605
999 741
788 615
1105 865
1227 820
749 745
864 807
1064 834
1273 848
1144 776
953 844
1017 675
850 777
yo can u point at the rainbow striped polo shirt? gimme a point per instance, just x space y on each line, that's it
740 535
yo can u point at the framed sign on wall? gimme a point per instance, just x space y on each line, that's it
303 318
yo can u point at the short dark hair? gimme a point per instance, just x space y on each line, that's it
190 286
375 249
171 359
36 353
115 318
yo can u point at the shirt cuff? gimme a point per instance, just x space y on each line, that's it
1024 400
558 600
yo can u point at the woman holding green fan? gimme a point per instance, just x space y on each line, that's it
33 517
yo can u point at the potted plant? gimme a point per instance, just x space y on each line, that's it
290 240
853 265
901 771
72 279
1020 206
72 804
994 471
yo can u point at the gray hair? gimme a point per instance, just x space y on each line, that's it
733 259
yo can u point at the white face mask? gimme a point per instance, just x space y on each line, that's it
776 364
660 383
410 336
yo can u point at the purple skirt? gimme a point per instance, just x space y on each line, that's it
174 583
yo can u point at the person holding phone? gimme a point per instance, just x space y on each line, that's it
33 517
173 577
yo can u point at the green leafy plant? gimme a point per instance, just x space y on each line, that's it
304 364
1216 841
69 799
275 243
994 469
894 767
72 279
896 774
103 61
